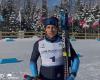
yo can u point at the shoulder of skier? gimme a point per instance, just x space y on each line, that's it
35 52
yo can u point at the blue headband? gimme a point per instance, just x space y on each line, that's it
51 21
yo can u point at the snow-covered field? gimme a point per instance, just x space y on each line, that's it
22 48
90 60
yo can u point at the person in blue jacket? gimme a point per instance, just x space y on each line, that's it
50 50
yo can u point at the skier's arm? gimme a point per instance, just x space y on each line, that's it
74 64
33 68
74 69
33 60
74 61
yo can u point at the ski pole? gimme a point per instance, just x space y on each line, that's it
65 37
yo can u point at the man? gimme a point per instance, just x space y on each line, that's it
50 50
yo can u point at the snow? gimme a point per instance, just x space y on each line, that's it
89 63
22 48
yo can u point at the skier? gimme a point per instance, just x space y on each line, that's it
50 50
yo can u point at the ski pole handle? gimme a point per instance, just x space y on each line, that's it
28 77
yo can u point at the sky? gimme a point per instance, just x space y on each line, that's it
52 3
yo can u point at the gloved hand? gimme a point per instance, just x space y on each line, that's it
71 77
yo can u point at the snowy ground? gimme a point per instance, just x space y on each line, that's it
22 48
90 60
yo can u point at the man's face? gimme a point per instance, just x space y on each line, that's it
51 30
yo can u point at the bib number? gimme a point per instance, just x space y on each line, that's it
53 58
